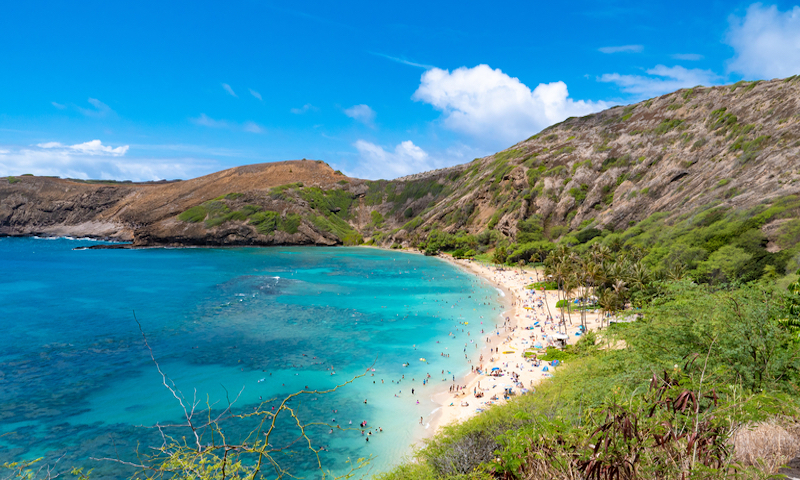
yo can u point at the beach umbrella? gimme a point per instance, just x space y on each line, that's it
495 369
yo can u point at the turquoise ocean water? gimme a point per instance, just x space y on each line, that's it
243 324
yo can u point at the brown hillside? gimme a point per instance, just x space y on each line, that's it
52 206
734 146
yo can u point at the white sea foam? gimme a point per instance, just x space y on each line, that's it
67 237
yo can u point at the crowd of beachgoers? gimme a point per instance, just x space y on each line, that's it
530 323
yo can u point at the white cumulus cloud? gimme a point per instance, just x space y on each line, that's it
93 160
375 162
228 89
206 121
305 108
690 57
100 109
660 80
93 147
252 127
361 113
489 105
622 49
766 42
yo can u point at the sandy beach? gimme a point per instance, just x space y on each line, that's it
528 325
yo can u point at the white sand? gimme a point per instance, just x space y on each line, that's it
511 340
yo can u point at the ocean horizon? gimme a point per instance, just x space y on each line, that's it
229 326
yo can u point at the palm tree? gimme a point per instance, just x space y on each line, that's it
595 276
620 288
792 323
570 284
608 302
557 265
676 271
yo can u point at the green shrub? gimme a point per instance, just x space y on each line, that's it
699 144
667 125
193 215
464 253
376 219
508 154
326 202
604 147
750 148
290 223
530 229
230 196
530 252
556 171
415 190
587 234
611 162
579 194
608 194
494 220
557 231
565 149
577 165
353 238
376 192
412 225
548 285
534 174
719 120
265 222
552 353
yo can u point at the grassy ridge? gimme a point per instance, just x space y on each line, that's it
217 212
329 210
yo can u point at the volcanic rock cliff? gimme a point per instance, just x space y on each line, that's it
736 146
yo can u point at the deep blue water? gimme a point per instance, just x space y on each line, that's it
244 324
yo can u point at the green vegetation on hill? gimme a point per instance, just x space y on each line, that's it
713 350
217 212
329 211
675 401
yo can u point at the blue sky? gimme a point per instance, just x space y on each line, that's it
150 90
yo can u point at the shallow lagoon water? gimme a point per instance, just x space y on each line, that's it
243 323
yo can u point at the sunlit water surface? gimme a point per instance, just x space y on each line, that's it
244 325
